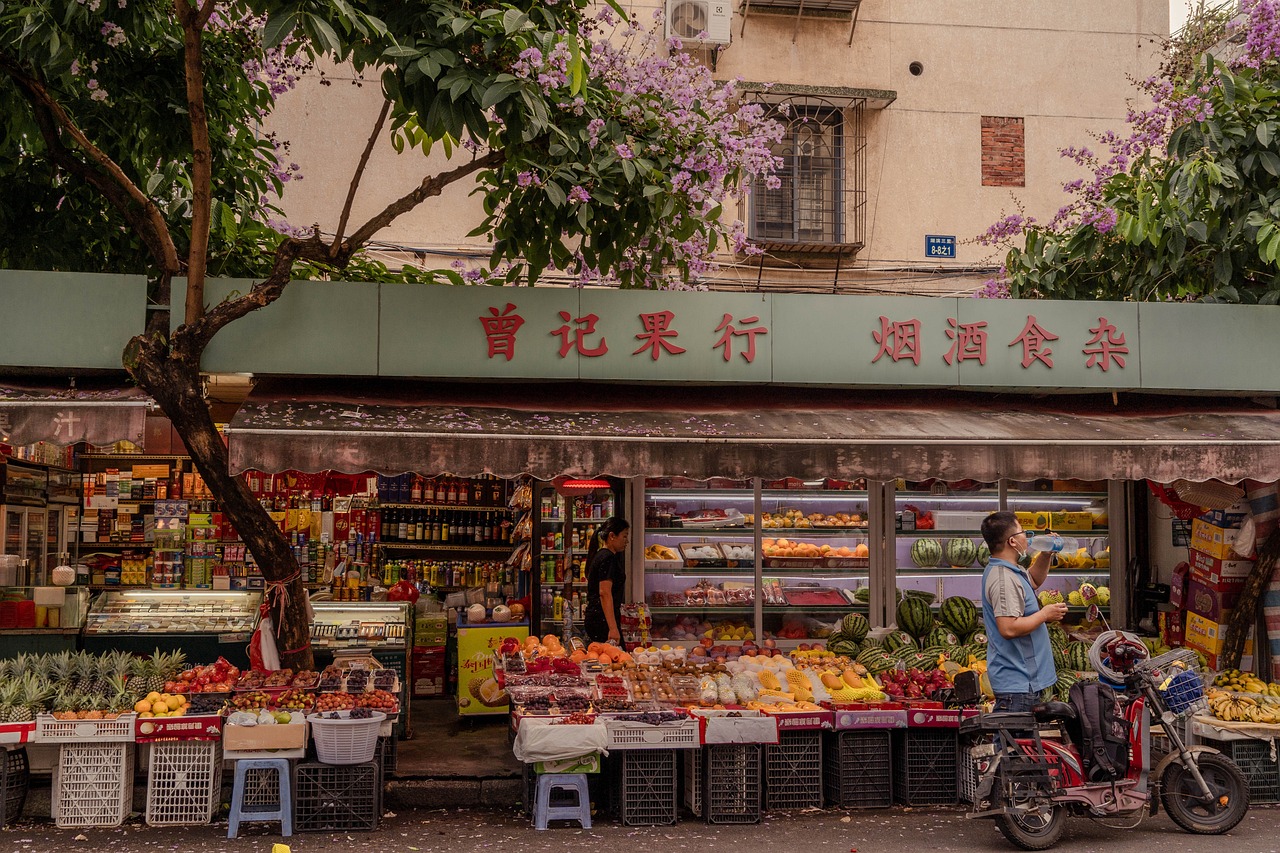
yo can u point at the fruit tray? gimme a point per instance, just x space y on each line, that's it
846 562
701 555
745 554
793 562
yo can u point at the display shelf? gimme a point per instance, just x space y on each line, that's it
768 532
768 608
1095 533
23 632
418 546
445 507
990 496
169 456
768 494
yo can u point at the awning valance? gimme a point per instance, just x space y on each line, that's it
581 429
97 414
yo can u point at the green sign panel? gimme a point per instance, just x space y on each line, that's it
71 320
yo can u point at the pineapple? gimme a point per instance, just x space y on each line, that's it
33 698
9 694
82 671
121 698
150 675
59 670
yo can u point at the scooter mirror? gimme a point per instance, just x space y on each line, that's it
1093 613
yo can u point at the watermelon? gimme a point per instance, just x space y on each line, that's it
1058 635
961 553
1059 659
978 639
862 594
959 615
926 597
984 554
926 553
914 616
920 660
940 636
845 647
1062 689
1077 655
854 626
898 640
870 642
978 652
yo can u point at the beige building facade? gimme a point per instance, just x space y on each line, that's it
923 118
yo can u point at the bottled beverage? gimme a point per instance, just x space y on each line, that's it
435 527
402 525
566 633
477 491
444 529
419 524
1051 542
477 530
415 492
451 493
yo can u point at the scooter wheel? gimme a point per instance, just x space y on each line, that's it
1038 830
1181 798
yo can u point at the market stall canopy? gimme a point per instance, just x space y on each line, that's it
586 430
63 415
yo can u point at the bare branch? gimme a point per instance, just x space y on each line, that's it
201 158
355 179
108 178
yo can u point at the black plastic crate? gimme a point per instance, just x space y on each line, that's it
261 790
387 755
646 787
926 767
691 781
1260 770
732 782
858 769
793 771
15 780
335 798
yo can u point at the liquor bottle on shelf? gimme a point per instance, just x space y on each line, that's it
419 522
451 493
415 491
444 529
402 525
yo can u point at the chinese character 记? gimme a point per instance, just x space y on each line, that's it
726 326
1107 345
898 340
968 342
1033 337
578 340
657 328
500 331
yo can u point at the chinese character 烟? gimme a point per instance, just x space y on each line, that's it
500 331
968 342
1106 345
726 326
657 328
898 340
1033 337
571 339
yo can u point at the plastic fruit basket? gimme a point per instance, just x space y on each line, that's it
344 740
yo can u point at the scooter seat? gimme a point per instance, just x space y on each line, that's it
1050 712
1014 721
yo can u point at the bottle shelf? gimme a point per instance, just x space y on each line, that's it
418 546
444 507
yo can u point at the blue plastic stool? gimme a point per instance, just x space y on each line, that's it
543 811
283 812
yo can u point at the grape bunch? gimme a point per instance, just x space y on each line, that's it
572 703
384 679
577 719
205 703
538 703
360 714
357 681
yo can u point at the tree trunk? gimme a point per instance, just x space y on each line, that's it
173 380
1245 614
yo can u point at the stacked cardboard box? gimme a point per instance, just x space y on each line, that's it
1218 574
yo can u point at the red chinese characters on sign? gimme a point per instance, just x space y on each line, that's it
729 333
898 340
968 342
571 339
500 331
657 330
1033 337
1106 345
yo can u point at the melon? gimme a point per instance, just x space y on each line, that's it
984 554
898 640
854 626
476 613
961 553
914 616
926 553
959 615
940 636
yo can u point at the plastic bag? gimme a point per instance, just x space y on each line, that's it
263 654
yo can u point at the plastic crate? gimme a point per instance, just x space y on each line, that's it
1261 770
624 734
92 784
647 787
184 782
858 768
119 730
336 798
925 767
969 770
793 771
261 791
691 765
732 783
387 755
15 780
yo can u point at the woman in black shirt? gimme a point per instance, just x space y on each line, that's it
606 581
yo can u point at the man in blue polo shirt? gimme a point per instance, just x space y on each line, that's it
1019 655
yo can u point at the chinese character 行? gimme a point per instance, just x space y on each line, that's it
1107 345
1033 337
568 345
657 328
500 331
726 326
898 340
968 342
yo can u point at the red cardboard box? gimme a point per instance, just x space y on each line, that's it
1172 627
195 727
1178 585
1212 601
428 672
1211 569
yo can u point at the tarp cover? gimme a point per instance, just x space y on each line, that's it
96 413
582 429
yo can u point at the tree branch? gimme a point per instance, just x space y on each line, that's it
355 179
206 11
139 211
201 157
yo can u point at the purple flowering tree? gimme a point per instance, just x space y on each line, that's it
129 146
1180 206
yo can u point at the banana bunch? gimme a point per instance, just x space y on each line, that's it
1234 707
1243 682
660 552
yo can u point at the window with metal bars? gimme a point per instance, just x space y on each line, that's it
807 206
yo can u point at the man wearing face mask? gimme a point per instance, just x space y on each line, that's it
1019 655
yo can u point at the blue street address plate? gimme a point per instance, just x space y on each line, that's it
939 246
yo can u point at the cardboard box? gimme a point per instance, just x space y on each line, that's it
428 677
1178 585
1215 541
1033 520
1231 517
1212 601
431 629
1172 626
1215 661
290 736
1212 569
1208 636
1075 520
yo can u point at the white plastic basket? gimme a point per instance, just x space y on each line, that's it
184 782
118 730
627 734
92 784
346 741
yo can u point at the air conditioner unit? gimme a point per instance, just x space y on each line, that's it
687 19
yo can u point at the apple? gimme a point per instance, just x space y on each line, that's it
803 647
770 643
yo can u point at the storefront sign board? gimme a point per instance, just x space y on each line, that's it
56 319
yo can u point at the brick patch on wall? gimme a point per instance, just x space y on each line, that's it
1004 161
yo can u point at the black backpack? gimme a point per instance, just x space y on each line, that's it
1104 734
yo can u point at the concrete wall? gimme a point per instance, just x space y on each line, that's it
1064 68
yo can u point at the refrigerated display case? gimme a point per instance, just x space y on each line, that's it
39 620
381 629
23 489
565 517
203 624
703 579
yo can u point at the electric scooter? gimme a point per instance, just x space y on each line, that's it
1031 784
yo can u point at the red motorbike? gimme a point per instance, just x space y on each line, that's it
1030 784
